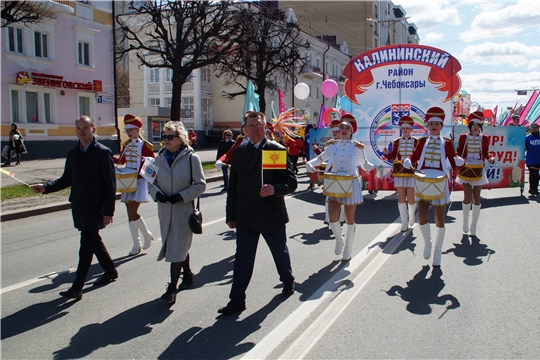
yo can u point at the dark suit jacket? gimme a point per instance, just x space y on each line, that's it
91 176
245 206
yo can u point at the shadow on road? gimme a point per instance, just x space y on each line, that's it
471 250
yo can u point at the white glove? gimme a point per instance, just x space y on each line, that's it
368 166
310 168
219 164
407 163
459 160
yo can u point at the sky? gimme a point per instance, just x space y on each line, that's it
496 42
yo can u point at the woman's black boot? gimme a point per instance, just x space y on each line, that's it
170 294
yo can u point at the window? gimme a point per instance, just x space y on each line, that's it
187 103
154 102
40 44
205 109
84 53
84 105
154 76
47 106
85 12
206 74
168 75
168 102
14 106
15 40
32 114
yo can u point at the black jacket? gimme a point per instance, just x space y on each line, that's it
245 206
223 147
91 176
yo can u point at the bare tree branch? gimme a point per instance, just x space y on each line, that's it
25 12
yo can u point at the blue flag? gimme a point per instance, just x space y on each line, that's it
252 100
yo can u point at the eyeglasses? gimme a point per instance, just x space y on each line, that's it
228 135
169 137
252 126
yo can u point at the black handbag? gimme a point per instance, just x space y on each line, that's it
196 218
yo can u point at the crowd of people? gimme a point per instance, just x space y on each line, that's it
255 207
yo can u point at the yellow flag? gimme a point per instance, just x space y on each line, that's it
274 159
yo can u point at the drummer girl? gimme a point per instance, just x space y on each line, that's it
344 157
431 152
133 152
402 148
474 148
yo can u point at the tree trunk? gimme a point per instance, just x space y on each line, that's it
176 100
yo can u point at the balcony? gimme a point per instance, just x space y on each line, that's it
312 72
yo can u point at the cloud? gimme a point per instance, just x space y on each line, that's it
513 53
429 14
431 37
496 22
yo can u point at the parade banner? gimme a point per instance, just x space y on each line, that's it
507 145
386 83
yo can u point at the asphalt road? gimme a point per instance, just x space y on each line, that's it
388 302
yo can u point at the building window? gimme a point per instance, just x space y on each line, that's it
154 102
84 105
40 44
85 12
15 106
84 53
154 76
168 102
205 109
15 40
206 74
168 75
32 114
47 107
187 103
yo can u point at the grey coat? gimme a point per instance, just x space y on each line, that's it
176 234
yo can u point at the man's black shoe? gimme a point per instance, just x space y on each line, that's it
232 308
288 289
71 294
106 278
224 189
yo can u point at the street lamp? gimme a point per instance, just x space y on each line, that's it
390 21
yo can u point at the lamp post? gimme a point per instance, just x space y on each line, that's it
389 22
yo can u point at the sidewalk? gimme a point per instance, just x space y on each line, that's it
39 171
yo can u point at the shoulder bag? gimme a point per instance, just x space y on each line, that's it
196 218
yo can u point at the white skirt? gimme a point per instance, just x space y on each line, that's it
140 196
482 181
406 182
355 199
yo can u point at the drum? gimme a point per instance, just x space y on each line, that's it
429 184
400 171
469 172
338 185
321 171
126 180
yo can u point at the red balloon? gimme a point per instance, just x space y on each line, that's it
488 113
331 114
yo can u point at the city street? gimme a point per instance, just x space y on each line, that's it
387 302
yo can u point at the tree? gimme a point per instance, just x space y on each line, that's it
25 12
178 35
268 55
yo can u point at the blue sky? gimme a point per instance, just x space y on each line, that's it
496 42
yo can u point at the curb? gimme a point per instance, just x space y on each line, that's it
45 209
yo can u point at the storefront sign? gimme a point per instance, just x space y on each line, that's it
57 81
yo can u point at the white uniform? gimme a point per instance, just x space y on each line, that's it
474 157
406 147
134 162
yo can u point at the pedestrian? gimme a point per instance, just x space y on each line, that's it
473 147
402 148
89 170
294 146
134 150
515 121
431 153
181 181
192 136
255 210
227 158
224 146
15 143
532 158
342 158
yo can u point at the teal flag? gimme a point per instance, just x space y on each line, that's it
252 100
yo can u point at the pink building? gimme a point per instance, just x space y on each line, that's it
57 70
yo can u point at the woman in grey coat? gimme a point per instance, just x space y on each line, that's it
179 187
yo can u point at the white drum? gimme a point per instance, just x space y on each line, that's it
429 184
337 185
126 180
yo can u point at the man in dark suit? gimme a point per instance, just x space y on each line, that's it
89 170
254 209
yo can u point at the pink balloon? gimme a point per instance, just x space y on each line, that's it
329 88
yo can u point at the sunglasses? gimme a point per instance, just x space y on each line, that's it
168 137
228 135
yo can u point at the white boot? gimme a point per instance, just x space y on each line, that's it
475 215
439 239
148 236
403 215
426 234
466 209
412 211
349 239
135 236
336 229
326 216
342 214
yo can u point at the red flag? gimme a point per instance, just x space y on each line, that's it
282 107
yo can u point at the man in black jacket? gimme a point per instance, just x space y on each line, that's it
89 170
254 209
225 145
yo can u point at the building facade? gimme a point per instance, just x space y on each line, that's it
56 71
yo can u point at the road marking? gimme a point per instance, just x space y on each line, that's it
34 280
338 303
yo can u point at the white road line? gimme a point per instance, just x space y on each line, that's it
269 343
